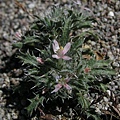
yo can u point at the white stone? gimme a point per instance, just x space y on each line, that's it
98 110
31 5
93 43
105 99
118 106
14 115
111 14
110 55
2 113
109 92
1 92
105 108
99 106
8 116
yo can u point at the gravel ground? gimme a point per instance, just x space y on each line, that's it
13 19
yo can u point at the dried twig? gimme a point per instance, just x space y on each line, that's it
20 5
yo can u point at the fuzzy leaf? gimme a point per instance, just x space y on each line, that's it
100 71
30 39
83 101
28 59
104 88
18 45
93 116
102 63
34 103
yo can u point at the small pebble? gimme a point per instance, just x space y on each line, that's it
14 115
31 5
105 99
111 14
110 55
8 116
1 92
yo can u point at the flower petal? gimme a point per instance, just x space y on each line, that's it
40 60
67 87
55 56
66 58
57 87
66 48
67 79
18 35
55 46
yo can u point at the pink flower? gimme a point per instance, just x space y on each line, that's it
60 51
57 87
18 35
40 60
62 83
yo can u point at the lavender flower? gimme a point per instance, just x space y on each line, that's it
60 51
62 83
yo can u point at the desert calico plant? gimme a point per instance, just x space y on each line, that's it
62 68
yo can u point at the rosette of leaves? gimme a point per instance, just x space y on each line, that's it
62 25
